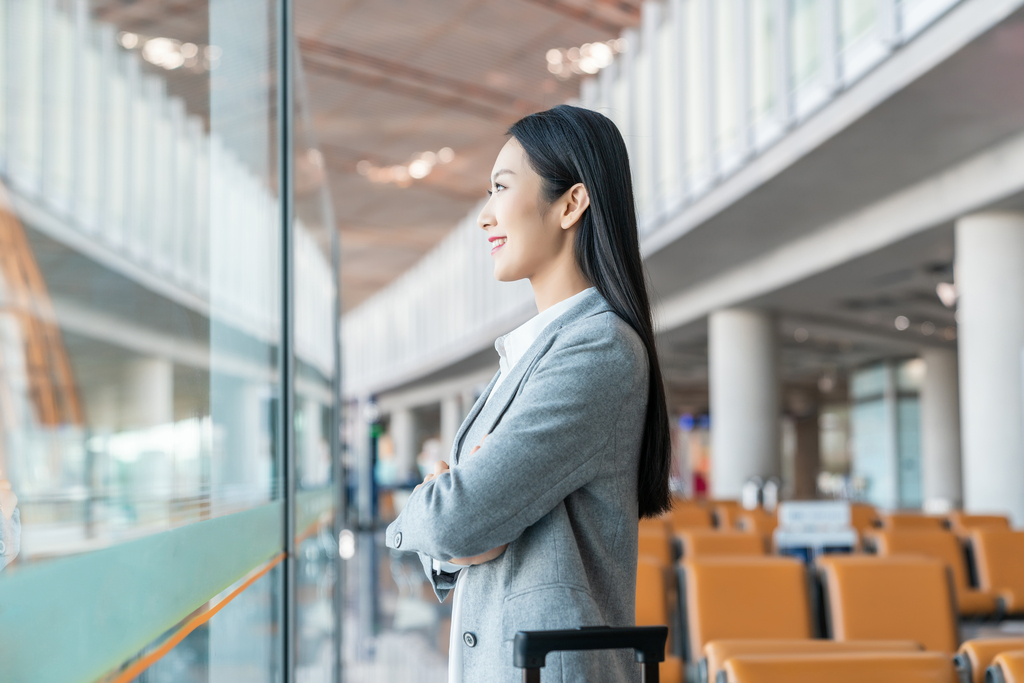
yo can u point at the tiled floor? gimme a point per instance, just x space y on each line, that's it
395 630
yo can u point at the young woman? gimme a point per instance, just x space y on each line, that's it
535 524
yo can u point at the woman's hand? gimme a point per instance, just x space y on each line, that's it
440 467
493 552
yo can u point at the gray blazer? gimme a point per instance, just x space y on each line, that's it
556 480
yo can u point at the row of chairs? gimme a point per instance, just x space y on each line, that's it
852 607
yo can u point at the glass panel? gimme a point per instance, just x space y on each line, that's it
764 97
727 81
909 444
316 420
140 284
697 163
237 645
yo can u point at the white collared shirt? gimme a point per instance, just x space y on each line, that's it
510 348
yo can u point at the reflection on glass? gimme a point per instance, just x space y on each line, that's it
140 283
240 643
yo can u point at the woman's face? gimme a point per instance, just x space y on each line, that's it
524 231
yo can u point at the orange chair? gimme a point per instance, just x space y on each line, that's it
688 516
941 545
718 651
864 517
652 610
655 540
904 521
999 558
877 667
974 656
756 522
743 597
963 524
1007 667
890 598
706 543
725 512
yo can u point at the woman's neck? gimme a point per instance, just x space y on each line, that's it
559 283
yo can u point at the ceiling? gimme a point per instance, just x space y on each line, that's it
391 79
388 80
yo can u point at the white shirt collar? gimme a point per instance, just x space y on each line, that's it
513 345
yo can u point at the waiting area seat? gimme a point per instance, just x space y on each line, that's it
717 652
702 543
652 610
725 513
975 656
903 521
876 667
655 540
756 521
963 524
890 598
999 558
743 597
944 546
1007 667
864 517
685 515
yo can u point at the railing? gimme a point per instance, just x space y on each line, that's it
100 156
702 87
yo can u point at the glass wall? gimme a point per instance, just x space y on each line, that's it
168 350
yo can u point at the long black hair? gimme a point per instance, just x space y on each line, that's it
568 145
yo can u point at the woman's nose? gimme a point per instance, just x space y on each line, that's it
486 219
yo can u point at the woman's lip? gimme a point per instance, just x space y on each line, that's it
495 249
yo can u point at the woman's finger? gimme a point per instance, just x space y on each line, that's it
440 467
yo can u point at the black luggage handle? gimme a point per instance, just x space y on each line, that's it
648 644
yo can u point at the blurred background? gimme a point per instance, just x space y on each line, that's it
245 305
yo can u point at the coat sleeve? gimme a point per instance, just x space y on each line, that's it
442 578
549 443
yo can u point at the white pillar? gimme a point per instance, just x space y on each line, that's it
744 388
940 432
451 420
989 273
403 436
148 393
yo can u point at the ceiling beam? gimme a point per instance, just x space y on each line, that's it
628 14
376 81
396 70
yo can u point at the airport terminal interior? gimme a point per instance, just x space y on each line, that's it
246 306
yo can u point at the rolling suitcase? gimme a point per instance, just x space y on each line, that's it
648 644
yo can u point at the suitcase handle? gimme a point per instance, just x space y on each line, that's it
648 644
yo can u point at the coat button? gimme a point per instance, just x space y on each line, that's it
398 540
469 638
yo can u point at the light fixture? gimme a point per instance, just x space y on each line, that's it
901 322
947 293
403 174
171 54
588 58
927 328
801 335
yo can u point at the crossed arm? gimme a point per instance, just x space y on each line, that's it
442 468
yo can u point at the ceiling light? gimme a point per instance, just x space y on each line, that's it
927 328
950 333
801 335
947 293
901 322
588 58
403 175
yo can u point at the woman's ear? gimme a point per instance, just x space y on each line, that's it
576 199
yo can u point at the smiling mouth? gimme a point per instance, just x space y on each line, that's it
497 243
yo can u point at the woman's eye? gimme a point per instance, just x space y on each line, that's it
497 187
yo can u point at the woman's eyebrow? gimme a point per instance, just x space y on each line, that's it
498 173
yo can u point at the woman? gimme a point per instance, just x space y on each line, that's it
568 446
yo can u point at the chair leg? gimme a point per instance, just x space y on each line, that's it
531 675
649 672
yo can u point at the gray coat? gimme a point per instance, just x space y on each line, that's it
556 480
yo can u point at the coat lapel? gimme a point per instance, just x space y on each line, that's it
489 412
